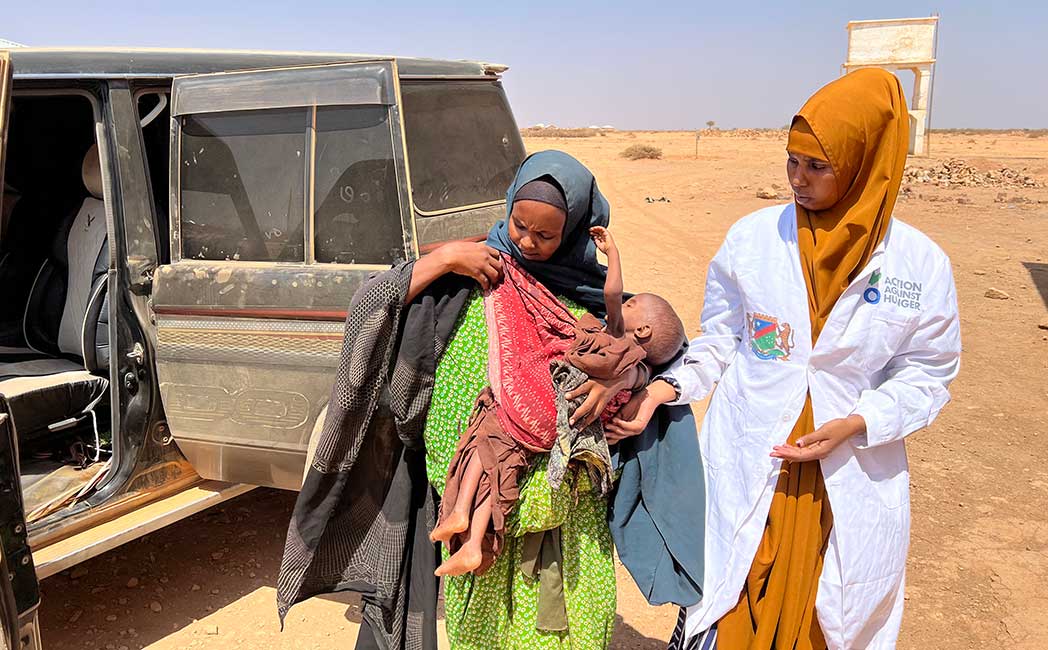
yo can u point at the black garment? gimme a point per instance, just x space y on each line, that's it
705 640
362 519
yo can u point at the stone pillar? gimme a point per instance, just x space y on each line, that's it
922 81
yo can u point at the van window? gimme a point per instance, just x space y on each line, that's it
462 141
242 178
357 203
156 136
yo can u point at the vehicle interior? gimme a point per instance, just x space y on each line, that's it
155 114
54 323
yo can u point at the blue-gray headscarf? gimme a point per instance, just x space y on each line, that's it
573 271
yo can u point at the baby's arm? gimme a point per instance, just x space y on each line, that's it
613 284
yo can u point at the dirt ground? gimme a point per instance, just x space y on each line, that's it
979 553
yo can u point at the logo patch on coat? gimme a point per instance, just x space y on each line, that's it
872 294
769 338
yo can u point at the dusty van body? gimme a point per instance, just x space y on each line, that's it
180 235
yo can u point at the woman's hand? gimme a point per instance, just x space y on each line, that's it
598 393
819 443
636 414
472 259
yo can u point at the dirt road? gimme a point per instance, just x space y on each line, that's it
979 553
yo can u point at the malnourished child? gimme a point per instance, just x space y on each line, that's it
538 353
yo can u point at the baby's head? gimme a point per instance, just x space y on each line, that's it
651 321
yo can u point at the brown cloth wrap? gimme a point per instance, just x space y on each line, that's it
503 463
599 354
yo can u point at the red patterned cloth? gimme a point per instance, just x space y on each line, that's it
527 329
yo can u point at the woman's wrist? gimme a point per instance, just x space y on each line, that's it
857 424
442 260
661 391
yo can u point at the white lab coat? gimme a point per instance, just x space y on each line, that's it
888 351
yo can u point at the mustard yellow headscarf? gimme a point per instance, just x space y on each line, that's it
860 125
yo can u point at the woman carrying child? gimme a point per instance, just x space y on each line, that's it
534 567
830 330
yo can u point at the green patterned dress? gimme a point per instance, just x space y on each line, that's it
499 609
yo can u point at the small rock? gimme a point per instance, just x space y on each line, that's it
78 572
214 592
156 607
767 193
1043 325
122 601
111 618
132 583
211 630
217 555
164 580
195 588
996 294
978 272
251 574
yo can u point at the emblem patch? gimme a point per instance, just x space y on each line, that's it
768 338
872 294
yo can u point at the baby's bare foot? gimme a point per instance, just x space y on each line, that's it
455 523
465 560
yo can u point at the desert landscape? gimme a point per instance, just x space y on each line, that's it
979 553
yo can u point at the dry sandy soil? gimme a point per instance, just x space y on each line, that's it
979 554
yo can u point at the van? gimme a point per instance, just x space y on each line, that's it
181 232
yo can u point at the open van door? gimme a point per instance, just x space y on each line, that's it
19 591
288 188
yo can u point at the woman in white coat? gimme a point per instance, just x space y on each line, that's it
830 331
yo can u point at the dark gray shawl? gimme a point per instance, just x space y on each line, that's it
362 519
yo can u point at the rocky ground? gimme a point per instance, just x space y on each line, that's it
979 553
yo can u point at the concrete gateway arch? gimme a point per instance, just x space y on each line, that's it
900 44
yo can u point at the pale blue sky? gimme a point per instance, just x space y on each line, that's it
637 65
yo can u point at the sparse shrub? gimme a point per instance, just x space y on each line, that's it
642 151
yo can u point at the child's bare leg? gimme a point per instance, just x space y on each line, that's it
457 520
470 556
